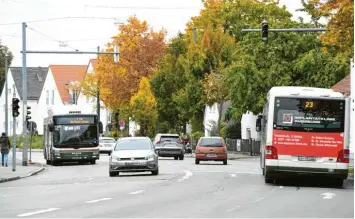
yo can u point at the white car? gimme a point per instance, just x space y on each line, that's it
106 145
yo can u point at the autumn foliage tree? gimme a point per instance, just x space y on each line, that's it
144 107
140 49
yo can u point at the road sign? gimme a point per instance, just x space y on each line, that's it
122 123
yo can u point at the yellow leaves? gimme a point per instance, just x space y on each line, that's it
89 85
214 87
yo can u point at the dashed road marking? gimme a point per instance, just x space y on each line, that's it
98 200
50 188
233 209
259 199
136 192
38 212
233 175
281 187
188 174
5 196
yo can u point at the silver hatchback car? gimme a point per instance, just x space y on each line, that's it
133 154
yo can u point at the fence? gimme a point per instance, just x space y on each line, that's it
243 146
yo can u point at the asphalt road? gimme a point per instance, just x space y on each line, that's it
182 189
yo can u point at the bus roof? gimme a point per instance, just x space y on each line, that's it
294 91
69 109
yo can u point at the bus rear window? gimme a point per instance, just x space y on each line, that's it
298 114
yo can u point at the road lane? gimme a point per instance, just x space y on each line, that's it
182 189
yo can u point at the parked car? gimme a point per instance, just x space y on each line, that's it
106 144
169 145
211 148
133 154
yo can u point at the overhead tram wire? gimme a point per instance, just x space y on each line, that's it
141 8
58 18
45 35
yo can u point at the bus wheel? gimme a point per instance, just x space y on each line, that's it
93 161
48 162
54 163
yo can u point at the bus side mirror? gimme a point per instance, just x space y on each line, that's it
51 127
258 124
101 128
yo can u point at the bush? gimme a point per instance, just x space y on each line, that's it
37 141
233 130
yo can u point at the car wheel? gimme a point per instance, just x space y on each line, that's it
181 157
197 161
112 174
109 153
48 162
225 162
93 161
175 158
155 172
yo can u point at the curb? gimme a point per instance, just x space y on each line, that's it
41 169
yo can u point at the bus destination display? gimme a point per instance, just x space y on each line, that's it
74 120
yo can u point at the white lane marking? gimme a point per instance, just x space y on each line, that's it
98 200
90 179
328 195
136 192
50 188
188 174
281 187
5 196
259 199
233 175
233 209
38 212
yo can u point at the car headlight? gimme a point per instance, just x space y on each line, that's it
114 158
150 157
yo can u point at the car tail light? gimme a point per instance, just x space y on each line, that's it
343 156
158 142
271 152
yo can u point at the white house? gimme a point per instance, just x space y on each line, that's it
56 90
248 120
211 116
35 81
91 102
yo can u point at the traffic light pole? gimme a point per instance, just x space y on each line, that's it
14 139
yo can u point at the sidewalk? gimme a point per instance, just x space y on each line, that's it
6 173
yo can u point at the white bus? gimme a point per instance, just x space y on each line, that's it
304 131
71 136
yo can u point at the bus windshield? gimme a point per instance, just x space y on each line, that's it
78 135
310 115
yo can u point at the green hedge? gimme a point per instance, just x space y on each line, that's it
37 141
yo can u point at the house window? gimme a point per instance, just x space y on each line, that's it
52 97
47 97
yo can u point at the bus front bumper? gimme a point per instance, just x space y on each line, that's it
288 172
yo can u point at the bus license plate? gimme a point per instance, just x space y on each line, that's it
306 158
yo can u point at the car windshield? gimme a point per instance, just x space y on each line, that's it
170 138
211 142
69 135
315 115
107 140
133 144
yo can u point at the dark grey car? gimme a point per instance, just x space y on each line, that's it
169 145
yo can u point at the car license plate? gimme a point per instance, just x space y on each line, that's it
211 155
132 163
306 158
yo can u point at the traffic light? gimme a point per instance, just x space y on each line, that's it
15 107
264 30
28 113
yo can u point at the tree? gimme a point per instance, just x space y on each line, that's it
140 50
144 108
4 50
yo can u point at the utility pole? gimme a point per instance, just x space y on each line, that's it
98 98
6 100
24 97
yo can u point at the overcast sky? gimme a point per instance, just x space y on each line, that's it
87 34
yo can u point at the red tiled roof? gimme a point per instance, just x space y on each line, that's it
64 74
343 86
